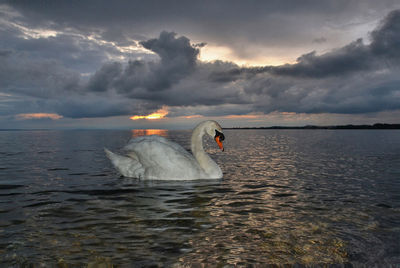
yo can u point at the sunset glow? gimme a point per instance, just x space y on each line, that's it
192 116
38 116
159 114
244 116
211 53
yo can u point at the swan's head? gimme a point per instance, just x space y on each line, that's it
215 131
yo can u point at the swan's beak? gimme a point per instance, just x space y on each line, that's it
219 142
219 137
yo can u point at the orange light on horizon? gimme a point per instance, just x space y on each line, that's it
192 116
244 116
38 116
159 114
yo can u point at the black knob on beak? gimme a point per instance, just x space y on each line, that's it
220 135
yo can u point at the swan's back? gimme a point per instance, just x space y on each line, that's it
163 159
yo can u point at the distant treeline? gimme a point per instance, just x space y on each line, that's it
374 126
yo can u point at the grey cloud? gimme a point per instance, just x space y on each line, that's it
5 52
32 77
354 57
320 40
386 38
232 23
384 47
356 78
99 106
105 77
174 52
71 48
73 52
211 110
334 82
178 59
351 58
353 94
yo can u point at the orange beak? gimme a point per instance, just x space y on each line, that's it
219 142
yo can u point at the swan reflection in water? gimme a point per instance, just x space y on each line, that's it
156 158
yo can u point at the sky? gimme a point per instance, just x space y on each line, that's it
172 63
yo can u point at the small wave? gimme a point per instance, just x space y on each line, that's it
251 192
10 186
283 195
219 191
76 200
257 186
89 192
15 153
10 194
240 204
383 205
99 175
103 192
57 168
39 204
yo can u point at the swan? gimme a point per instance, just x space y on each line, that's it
156 158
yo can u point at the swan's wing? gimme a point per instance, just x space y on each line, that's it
154 138
127 166
163 159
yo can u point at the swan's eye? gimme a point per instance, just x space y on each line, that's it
220 135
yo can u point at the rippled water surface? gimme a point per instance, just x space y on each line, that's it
287 197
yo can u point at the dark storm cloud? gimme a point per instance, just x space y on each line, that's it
105 77
386 38
356 78
178 58
384 47
178 78
354 57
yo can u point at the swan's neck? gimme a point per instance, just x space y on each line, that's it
197 141
204 160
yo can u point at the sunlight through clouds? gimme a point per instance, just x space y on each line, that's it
159 114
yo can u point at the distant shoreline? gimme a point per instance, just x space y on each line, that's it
374 126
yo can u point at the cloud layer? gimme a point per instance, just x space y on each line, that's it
356 78
247 28
107 74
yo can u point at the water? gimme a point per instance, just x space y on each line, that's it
310 197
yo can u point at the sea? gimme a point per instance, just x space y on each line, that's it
288 197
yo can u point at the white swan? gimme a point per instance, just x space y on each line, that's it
156 158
